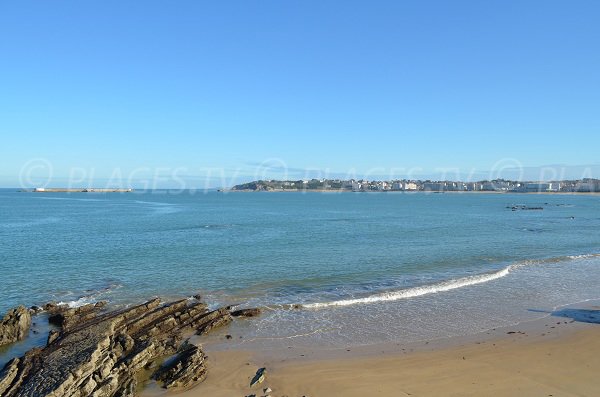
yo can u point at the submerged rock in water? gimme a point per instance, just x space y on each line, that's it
100 354
35 309
15 325
246 312
524 208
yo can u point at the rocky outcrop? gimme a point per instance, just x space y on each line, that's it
15 325
64 316
100 353
185 370
246 312
212 320
524 208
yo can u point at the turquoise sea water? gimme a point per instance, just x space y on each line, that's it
368 267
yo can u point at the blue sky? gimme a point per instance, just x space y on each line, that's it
98 88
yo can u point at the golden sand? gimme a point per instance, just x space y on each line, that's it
557 358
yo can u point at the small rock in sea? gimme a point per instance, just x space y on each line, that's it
246 312
100 304
50 305
14 326
197 297
259 377
35 309
228 337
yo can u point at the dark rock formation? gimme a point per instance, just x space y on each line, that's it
15 325
211 320
35 309
259 377
246 312
100 354
524 208
52 336
185 370
64 316
50 306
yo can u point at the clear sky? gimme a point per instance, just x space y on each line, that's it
98 88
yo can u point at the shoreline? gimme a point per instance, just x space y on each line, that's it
565 351
564 345
408 192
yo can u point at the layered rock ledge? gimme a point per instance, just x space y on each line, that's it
99 353
15 325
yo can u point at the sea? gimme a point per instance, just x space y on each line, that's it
328 269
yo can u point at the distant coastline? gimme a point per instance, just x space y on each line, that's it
483 192
587 185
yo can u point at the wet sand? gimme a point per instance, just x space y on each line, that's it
554 356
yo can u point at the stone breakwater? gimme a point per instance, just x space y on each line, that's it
102 353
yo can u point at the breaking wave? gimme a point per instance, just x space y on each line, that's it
441 286
586 256
92 296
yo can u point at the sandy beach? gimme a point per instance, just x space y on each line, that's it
554 356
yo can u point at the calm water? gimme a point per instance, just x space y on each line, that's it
369 267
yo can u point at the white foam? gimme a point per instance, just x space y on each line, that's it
442 286
586 256
417 291
93 297
77 303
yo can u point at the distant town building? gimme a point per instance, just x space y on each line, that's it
542 187
362 185
585 187
434 186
